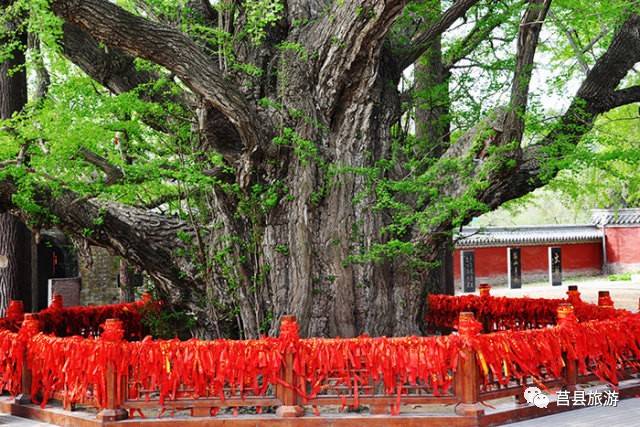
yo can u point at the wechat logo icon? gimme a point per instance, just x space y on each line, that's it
533 395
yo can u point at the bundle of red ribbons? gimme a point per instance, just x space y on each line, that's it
203 368
599 347
87 321
11 361
357 362
502 313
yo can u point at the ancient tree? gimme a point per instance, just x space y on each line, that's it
259 157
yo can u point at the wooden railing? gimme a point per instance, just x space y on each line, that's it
469 389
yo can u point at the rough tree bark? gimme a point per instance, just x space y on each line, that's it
334 101
128 280
13 244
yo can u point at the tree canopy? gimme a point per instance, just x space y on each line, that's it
263 157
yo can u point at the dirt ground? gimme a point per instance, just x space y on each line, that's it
625 294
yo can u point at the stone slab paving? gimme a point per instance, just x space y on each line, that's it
626 414
625 294
10 420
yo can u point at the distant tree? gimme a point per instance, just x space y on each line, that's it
13 97
263 157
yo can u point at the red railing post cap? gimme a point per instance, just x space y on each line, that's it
113 330
57 301
30 324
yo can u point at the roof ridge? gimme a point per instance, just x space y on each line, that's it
492 236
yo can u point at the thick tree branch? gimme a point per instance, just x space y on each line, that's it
409 54
113 173
165 46
607 73
116 70
528 38
535 164
625 96
349 41
111 67
506 125
147 239
596 95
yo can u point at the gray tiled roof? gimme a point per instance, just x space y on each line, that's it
527 235
615 216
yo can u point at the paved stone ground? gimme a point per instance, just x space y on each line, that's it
10 420
625 294
626 414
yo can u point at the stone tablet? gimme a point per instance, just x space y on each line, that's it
555 267
514 267
68 287
468 271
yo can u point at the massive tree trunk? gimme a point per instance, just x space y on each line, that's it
13 97
299 231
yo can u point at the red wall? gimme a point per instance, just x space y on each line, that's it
623 245
492 261
489 262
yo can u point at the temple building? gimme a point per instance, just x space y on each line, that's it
521 254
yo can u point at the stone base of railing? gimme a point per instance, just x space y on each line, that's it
289 411
502 413
112 415
23 399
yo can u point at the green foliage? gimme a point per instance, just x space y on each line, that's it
304 149
33 16
261 14
282 249
165 323
295 47
624 277
601 172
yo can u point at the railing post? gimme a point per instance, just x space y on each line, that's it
30 327
484 289
289 335
485 292
113 331
604 299
566 317
467 375
57 302
146 298
573 296
15 310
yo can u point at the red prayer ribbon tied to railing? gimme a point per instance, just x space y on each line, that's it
88 321
11 361
394 361
502 313
175 369
597 346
